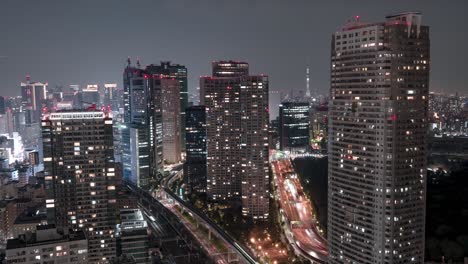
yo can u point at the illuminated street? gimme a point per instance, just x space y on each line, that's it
301 227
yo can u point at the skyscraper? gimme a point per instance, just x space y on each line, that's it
112 96
90 96
78 170
294 126
142 151
33 96
195 140
377 133
237 136
2 105
178 72
171 120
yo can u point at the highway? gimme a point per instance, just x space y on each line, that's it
154 210
244 255
301 229
241 251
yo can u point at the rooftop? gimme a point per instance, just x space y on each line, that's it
45 234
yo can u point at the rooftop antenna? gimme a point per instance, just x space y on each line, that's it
138 62
128 61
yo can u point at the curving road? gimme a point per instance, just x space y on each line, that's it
176 172
296 209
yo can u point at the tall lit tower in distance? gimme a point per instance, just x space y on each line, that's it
378 146
308 83
79 171
237 136
33 96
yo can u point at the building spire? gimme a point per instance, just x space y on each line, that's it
307 82
128 61
138 62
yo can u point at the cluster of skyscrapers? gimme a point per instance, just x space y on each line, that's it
376 122
153 120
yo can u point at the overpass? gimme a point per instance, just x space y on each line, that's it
240 253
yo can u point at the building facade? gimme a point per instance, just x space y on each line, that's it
132 236
237 137
178 72
142 130
171 120
195 141
48 246
378 146
90 96
112 96
33 96
2 105
294 126
79 170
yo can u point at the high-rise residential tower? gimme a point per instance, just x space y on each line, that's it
237 136
377 141
178 72
79 171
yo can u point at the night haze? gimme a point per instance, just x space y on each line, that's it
83 42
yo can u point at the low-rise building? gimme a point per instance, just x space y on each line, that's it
48 245
28 221
132 236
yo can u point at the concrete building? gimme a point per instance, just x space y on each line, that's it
48 246
132 236
28 221
237 137
378 141
78 171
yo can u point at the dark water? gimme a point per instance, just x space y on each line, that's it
313 173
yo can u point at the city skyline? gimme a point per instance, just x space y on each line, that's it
92 47
253 132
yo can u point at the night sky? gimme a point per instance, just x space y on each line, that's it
83 42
